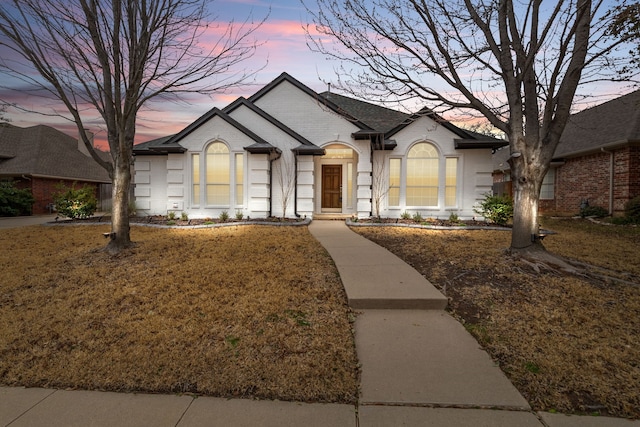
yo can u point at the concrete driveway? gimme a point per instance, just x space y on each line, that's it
23 221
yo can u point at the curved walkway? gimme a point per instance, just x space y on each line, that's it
420 367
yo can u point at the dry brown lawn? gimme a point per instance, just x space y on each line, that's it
569 343
250 311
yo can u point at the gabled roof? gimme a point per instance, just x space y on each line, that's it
306 146
284 77
171 144
376 117
44 151
615 122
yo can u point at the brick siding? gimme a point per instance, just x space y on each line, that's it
588 178
43 190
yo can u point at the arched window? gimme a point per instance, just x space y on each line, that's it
217 173
422 175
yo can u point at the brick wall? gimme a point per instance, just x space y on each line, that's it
43 190
588 177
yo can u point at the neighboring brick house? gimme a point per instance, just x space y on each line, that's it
597 160
41 157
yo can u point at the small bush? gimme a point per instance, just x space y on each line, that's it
596 211
497 209
14 202
239 215
405 215
224 216
454 217
632 210
184 216
171 215
75 203
417 217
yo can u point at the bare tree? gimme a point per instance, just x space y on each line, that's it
379 182
286 178
109 58
518 64
3 110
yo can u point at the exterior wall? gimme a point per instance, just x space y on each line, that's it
473 171
43 190
150 180
306 115
588 178
582 178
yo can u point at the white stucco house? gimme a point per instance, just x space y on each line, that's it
320 154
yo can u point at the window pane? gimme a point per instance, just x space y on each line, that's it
195 167
239 179
217 174
338 152
422 175
394 182
451 177
548 184
217 194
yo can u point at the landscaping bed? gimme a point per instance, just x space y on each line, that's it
568 343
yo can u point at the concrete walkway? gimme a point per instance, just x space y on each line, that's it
419 368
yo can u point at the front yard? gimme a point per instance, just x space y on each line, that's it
569 343
241 311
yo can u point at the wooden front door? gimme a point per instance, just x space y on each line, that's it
332 186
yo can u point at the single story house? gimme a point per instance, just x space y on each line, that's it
597 160
289 151
40 158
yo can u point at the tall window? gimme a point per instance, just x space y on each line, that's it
239 178
422 175
217 166
394 182
548 184
195 167
450 184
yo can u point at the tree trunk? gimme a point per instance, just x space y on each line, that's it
525 212
120 238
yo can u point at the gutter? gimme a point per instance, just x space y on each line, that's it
611 177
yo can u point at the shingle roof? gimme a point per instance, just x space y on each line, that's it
380 118
44 151
611 123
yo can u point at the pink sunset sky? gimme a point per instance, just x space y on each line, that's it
284 48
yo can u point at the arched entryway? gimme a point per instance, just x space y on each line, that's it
336 175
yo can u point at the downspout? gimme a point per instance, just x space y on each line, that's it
295 185
371 186
271 160
611 178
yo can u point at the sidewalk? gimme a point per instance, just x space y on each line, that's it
420 367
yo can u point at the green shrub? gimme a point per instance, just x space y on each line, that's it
497 209
596 211
224 216
75 203
417 217
405 215
171 215
184 216
632 210
239 215
14 202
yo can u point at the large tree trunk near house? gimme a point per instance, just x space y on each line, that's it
120 237
525 212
